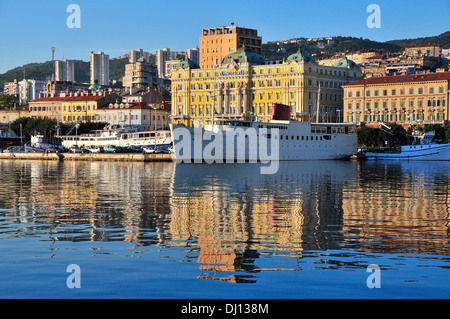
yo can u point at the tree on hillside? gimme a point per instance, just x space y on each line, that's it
6 101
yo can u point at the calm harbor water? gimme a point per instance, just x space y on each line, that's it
161 230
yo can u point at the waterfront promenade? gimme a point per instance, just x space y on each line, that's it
130 157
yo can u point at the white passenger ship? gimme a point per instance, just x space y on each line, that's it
279 139
119 136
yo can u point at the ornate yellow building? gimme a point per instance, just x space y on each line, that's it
244 86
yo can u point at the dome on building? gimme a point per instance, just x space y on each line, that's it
344 63
94 86
187 63
299 56
244 56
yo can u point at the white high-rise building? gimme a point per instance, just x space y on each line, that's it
193 55
65 71
29 90
161 57
137 55
100 68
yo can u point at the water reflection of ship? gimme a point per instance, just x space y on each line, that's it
233 215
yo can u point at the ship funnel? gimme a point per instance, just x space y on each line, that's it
281 112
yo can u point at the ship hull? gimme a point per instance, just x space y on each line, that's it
433 152
261 141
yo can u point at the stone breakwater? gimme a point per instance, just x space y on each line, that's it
125 157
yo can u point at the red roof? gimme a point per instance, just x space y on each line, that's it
409 78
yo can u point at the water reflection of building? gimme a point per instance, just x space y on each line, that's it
107 201
234 215
399 207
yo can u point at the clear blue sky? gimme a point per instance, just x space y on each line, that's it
30 27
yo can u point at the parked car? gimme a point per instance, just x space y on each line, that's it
133 149
62 149
149 150
76 149
110 149
95 149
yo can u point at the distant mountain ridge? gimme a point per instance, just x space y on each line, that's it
442 39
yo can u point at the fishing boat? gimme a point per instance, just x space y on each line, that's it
423 148
8 138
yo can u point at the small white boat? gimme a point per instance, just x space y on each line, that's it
423 149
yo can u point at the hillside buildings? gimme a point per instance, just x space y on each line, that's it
99 68
403 99
216 43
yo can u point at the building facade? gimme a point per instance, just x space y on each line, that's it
82 107
244 87
143 116
216 43
403 99
9 115
141 75
99 68
47 107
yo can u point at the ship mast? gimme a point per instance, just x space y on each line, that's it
318 105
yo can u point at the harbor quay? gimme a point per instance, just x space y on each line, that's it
125 157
